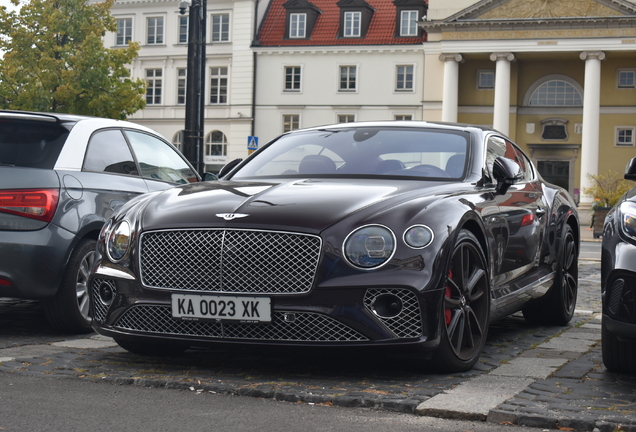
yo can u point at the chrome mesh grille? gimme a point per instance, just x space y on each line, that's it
219 260
100 309
285 326
408 323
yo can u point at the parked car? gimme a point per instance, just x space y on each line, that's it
61 178
618 282
406 235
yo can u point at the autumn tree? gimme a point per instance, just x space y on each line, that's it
55 61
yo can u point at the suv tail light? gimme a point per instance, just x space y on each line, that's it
37 204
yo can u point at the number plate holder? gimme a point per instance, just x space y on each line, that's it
225 308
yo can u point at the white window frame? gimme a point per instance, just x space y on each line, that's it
618 78
158 30
403 117
222 35
352 25
182 85
408 23
177 140
215 159
297 25
157 84
483 72
405 73
284 121
126 30
348 80
180 26
617 136
300 79
216 74
345 118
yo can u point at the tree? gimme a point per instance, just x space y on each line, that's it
55 60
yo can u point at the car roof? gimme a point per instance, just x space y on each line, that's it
403 124
42 116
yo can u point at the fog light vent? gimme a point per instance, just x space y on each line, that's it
397 308
616 293
104 292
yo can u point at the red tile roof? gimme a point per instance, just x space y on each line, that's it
381 30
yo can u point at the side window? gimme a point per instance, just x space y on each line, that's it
496 147
525 164
108 152
158 160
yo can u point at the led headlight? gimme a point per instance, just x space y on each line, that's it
118 241
370 246
418 236
628 218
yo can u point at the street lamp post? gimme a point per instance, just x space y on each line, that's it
195 84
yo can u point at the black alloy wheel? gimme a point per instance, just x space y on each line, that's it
465 311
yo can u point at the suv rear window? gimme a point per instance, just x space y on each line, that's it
31 144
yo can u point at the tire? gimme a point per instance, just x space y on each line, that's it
618 355
465 307
69 310
151 348
557 307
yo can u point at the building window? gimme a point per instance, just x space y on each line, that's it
124 31
290 122
297 25
153 90
183 29
292 78
346 118
352 24
216 144
220 28
177 140
556 93
403 117
155 30
182 74
408 23
625 136
486 80
404 78
218 85
626 78
348 78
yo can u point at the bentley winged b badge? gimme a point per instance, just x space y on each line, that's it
230 216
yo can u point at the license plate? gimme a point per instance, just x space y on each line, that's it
234 308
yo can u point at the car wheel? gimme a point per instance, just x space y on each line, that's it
69 310
465 307
618 355
558 306
151 348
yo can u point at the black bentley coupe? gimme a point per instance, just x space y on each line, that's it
407 235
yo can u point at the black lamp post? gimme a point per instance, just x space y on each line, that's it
193 146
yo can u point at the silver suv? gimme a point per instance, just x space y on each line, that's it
61 177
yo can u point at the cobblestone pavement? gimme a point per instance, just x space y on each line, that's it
582 395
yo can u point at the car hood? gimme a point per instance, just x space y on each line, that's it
308 205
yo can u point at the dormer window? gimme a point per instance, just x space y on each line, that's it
301 18
355 17
408 14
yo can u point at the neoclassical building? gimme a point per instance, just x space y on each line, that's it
557 76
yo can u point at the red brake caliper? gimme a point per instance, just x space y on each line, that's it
448 293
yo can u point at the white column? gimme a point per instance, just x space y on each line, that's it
501 114
450 94
591 119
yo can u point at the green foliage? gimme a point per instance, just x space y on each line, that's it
55 60
607 188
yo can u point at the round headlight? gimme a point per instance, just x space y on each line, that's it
628 218
418 236
369 247
119 241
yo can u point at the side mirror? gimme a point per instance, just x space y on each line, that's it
507 172
208 176
229 167
630 170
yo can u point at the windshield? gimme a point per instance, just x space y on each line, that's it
371 151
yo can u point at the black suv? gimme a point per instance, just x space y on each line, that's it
61 177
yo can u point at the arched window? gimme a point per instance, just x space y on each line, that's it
177 140
216 144
554 90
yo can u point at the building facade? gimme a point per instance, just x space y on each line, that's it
557 76
162 31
